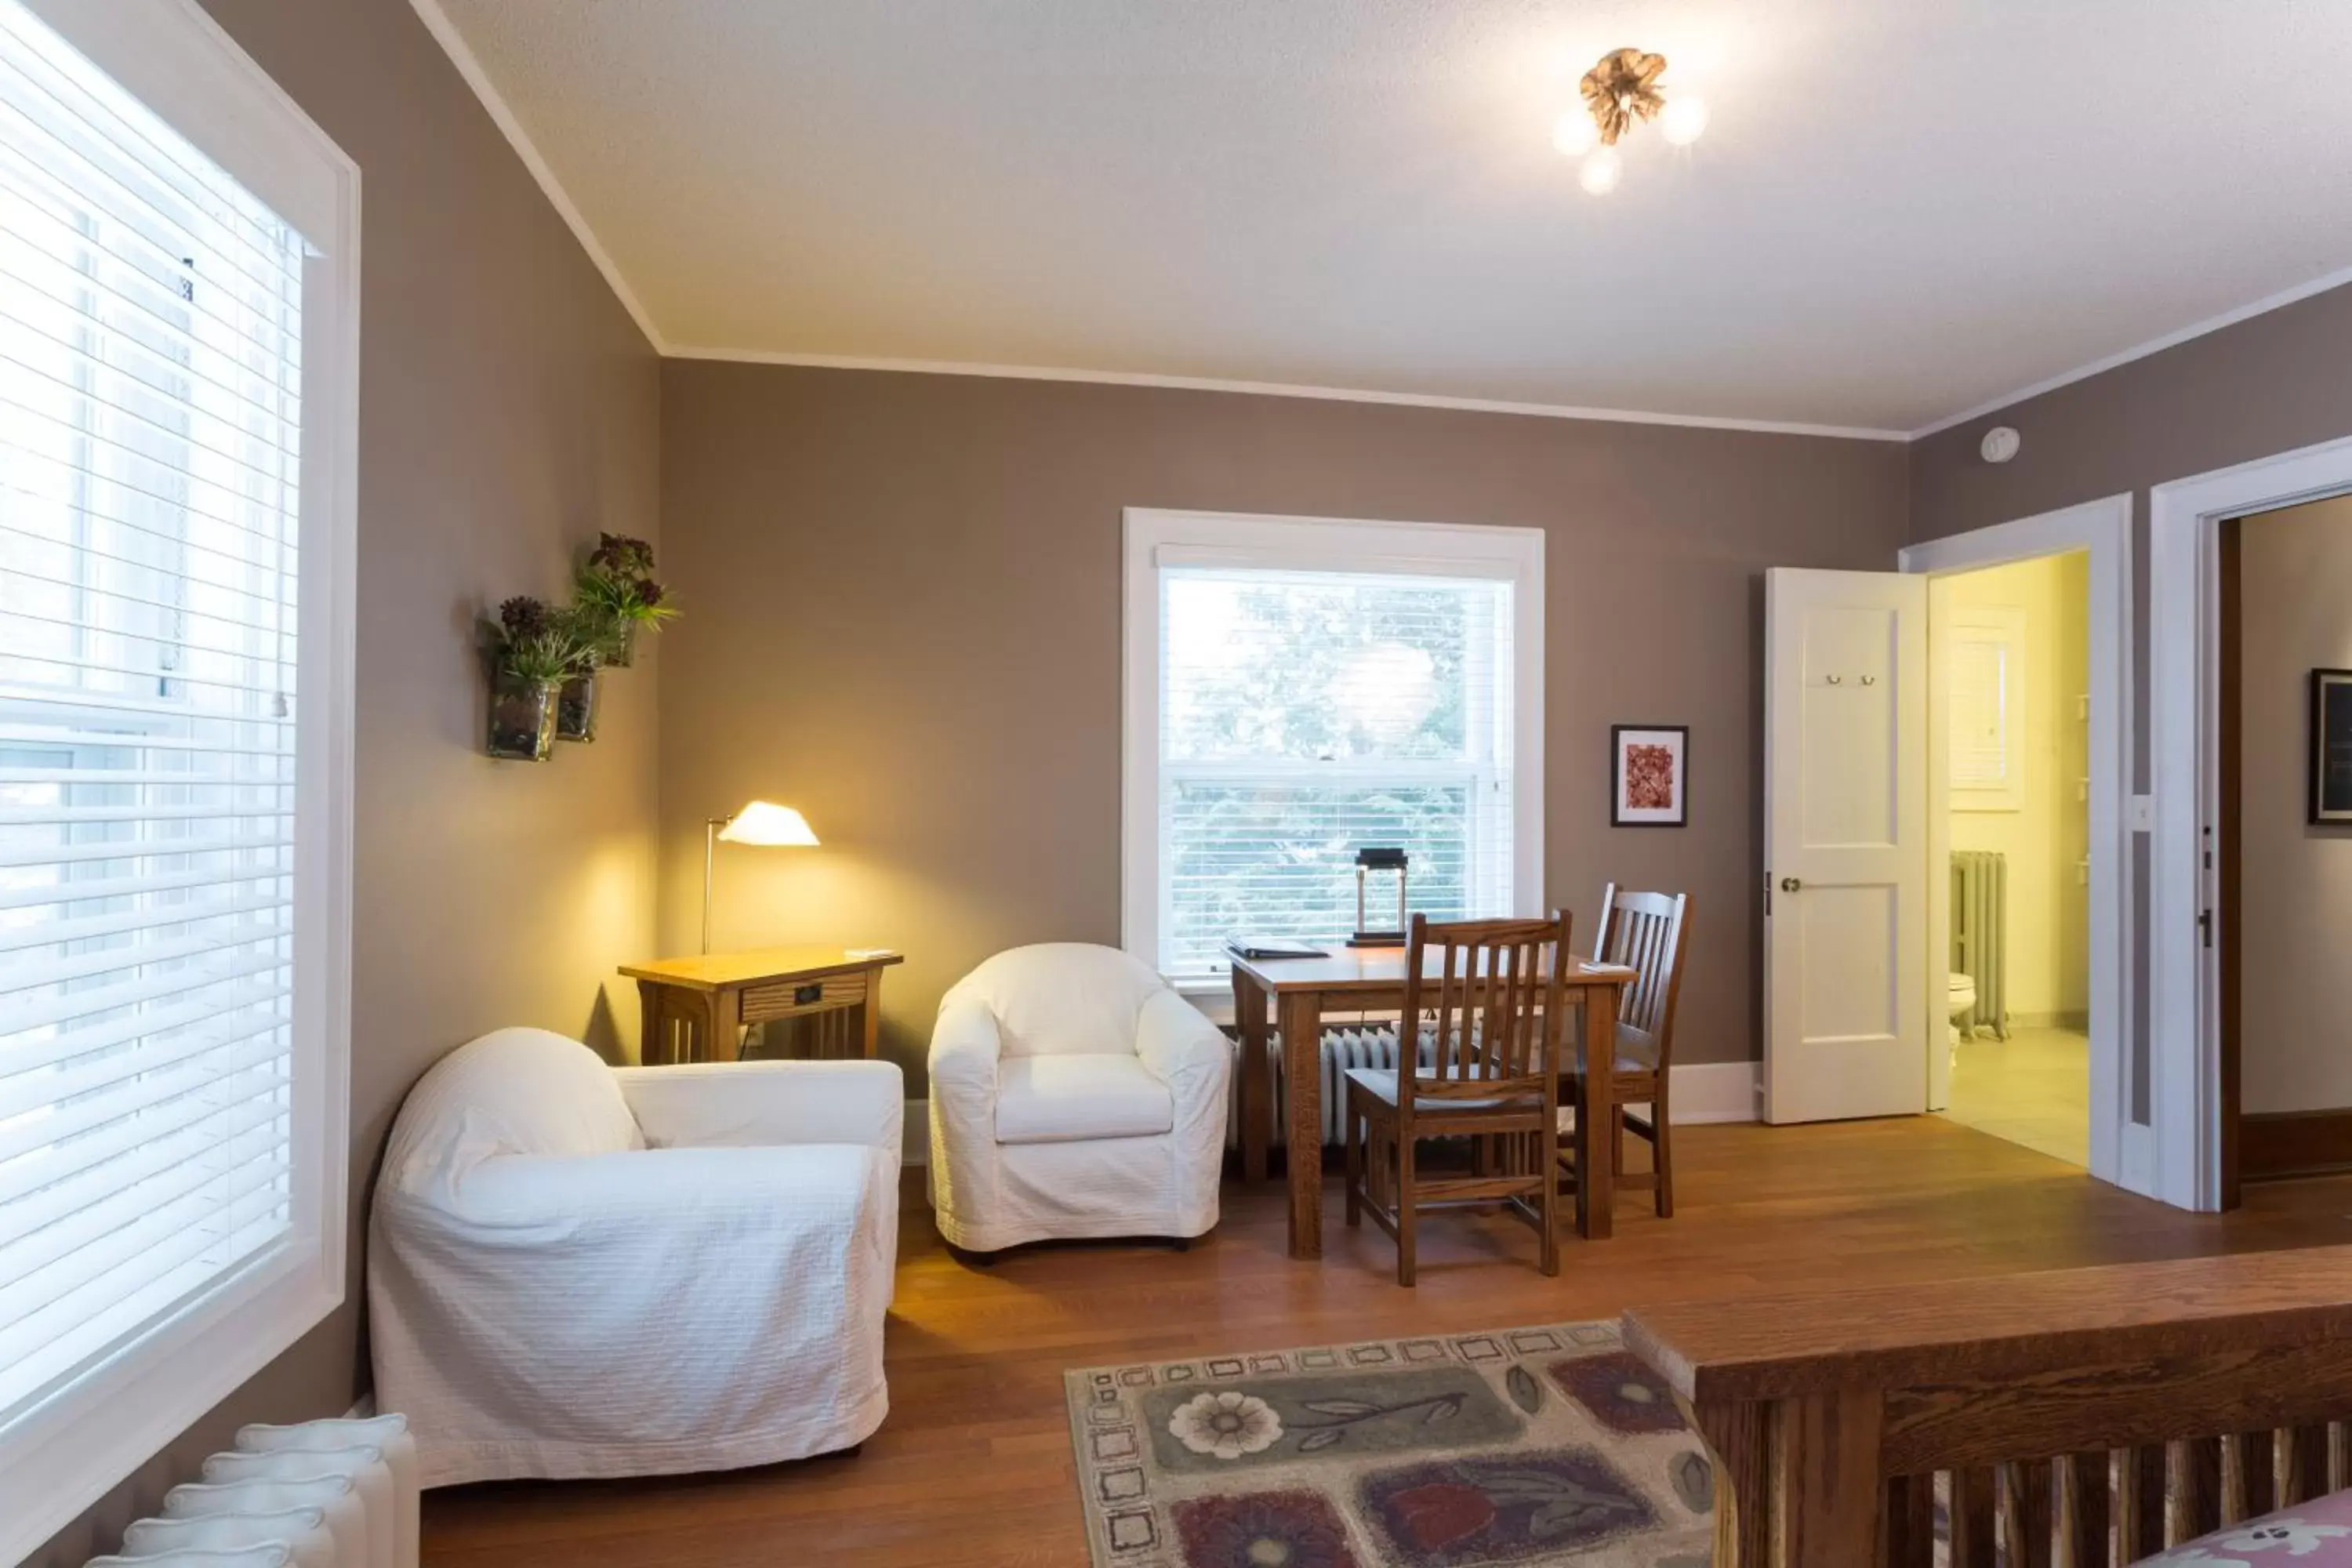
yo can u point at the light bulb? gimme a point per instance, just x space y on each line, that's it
1574 133
1601 172
1683 120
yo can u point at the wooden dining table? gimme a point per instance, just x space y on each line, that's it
1371 980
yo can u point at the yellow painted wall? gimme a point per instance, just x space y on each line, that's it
2049 906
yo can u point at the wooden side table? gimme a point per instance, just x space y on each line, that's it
694 1009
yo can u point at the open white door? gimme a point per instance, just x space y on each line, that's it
1845 844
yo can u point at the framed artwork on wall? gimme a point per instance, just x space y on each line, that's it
1649 775
2331 746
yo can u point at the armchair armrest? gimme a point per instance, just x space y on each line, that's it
1178 1042
713 1105
965 1045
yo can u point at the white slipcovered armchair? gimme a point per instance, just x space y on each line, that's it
575 1271
1073 1094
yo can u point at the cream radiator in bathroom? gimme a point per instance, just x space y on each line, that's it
1980 935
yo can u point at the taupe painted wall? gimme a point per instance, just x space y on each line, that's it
902 603
508 408
2296 582
2267 385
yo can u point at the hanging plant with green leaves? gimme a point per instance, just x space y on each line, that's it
530 649
616 590
530 641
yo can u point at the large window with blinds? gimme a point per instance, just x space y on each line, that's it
1298 690
174 814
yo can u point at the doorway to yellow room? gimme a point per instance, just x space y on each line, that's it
2014 644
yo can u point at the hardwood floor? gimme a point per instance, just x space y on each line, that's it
974 1465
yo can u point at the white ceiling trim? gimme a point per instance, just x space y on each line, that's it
2262 307
1283 389
453 43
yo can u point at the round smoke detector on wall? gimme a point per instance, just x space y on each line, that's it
2000 444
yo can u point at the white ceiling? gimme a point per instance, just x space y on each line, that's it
1902 210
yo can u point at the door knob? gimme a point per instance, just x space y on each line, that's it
1790 884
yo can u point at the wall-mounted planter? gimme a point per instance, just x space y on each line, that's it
625 650
575 708
522 718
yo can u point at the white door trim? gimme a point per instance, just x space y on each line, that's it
2121 1152
2184 667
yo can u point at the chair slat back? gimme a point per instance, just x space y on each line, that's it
1494 999
1646 933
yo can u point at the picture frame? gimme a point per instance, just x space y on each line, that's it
1649 775
2330 766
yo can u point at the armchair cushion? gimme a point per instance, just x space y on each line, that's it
1057 1099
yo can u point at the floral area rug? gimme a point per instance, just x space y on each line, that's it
1522 1446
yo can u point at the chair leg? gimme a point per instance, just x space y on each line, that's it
1617 1143
1661 1150
1404 1205
1546 1158
1352 1136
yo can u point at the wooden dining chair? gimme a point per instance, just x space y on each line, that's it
1646 933
1494 1077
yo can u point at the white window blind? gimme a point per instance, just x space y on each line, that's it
149 435
1304 715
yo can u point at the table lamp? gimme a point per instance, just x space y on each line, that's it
760 823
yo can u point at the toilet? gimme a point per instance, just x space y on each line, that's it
1963 1001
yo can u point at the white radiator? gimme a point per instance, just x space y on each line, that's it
323 1494
1980 934
1344 1047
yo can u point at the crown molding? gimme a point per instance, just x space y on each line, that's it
2262 307
1281 389
453 43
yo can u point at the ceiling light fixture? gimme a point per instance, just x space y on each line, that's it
1619 92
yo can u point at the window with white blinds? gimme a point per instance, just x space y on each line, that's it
152 332
1323 693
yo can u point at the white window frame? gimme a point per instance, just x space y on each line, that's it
65 1453
1156 538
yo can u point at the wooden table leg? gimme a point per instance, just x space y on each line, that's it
1301 1022
726 1017
1596 1176
1256 1107
652 1039
872 1007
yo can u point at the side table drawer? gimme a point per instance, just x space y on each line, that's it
788 999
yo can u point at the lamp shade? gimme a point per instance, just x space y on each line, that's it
765 824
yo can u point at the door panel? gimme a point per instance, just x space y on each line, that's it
1846 851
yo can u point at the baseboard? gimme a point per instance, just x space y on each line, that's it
2077 1022
2277 1144
1716 1091
915 1141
